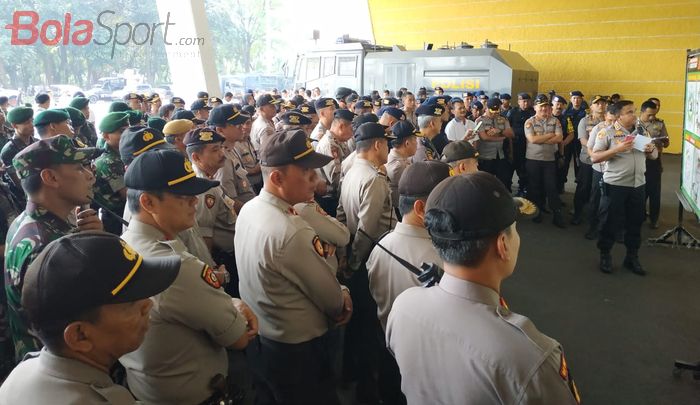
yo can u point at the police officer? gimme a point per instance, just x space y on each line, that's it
87 132
408 101
400 156
228 121
183 358
517 118
569 134
371 212
576 110
505 104
175 130
263 127
110 190
462 157
178 102
543 133
334 144
597 173
200 110
248 155
410 241
287 281
56 178
471 221
623 186
585 171
325 107
429 124
656 129
88 306
493 130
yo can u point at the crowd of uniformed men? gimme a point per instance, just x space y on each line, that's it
153 248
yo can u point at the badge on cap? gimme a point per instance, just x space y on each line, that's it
209 200
210 278
206 136
304 109
293 119
188 166
329 102
438 111
147 136
318 246
441 101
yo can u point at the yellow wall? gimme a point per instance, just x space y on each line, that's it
632 47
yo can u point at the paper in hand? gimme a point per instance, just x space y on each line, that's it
640 142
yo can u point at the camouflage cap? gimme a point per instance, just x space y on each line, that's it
77 118
114 121
51 116
19 115
79 102
51 151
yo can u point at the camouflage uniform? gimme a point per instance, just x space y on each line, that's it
33 230
87 134
109 179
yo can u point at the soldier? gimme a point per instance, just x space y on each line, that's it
543 133
400 156
156 123
493 130
183 358
429 124
56 178
174 132
216 217
21 120
262 126
87 132
49 123
462 157
83 303
623 192
365 204
517 119
5 130
471 221
200 110
228 120
287 281
656 129
334 144
325 107
110 190
460 128
585 176
43 102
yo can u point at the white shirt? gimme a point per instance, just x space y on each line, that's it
456 129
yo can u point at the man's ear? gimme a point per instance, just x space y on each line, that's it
49 178
419 209
502 246
76 337
276 178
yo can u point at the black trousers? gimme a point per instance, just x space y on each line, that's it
389 377
621 206
571 152
542 181
361 345
583 188
653 188
519 148
500 168
594 200
292 374
228 260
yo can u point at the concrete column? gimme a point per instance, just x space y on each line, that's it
190 54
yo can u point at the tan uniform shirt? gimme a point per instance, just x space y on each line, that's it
329 146
455 344
192 322
249 159
318 133
626 168
216 217
365 203
537 127
284 277
395 166
51 379
387 277
329 229
261 129
234 178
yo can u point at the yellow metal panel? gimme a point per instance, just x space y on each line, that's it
632 47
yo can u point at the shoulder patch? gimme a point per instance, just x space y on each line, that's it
209 200
563 367
320 210
601 134
528 124
210 278
318 246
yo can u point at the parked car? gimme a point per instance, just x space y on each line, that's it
139 89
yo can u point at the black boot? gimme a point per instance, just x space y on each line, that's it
591 234
606 262
632 262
